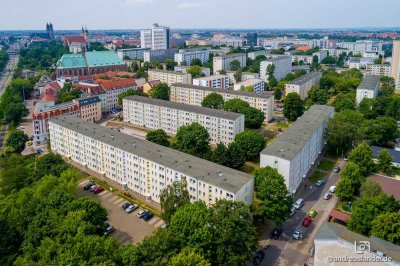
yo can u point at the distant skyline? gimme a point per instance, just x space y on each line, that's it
138 14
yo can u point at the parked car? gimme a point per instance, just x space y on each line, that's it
131 208
312 213
93 187
298 234
98 189
299 203
276 233
336 169
257 259
29 143
319 183
327 195
87 186
332 189
125 205
141 213
307 221
292 211
109 229
147 216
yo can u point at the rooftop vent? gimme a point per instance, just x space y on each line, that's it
220 174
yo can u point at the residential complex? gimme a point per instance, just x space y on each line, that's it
368 88
244 76
194 95
113 87
294 152
283 66
229 42
303 84
308 59
223 62
205 71
396 64
156 38
169 77
145 167
186 57
257 84
253 55
153 114
214 81
158 55
361 46
380 70
132 53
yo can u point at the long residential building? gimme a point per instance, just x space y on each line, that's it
114 87
396 64
159 55
257 84
283 66
132 53
194 95
153 114
214 81
223 62
145 167
378 69
205 71
294 152
368 88
186 57
303 84
244 76
169 77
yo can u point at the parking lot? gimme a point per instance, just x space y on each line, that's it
129 229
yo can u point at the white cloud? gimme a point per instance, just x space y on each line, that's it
188 5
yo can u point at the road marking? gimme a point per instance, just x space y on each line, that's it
153 221
161 222
107 195
114 198
103 192
118 201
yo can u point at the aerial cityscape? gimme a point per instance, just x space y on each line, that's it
184 133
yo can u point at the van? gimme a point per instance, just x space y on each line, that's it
299 203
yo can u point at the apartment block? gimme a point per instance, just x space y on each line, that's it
153 114
257 84
156 38
368 88
194 95
244 76
205 71
132 53
303 84
158 55
283 66
186 57
294 152
214 81
169 77
145 167
380 70
396 64
90 108
114 87
253 55
229 42
223 62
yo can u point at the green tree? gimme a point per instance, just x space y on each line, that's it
318 96
158 136
172 198
381 131
386 226
330 60
387 85
234 65
367 209
195 71
345 101
238 75
236 155
251 142
247 88
368 108
271 190
315 65
393 108
193 139
213 100
196 62
188 257
362 157
220 155
253 117
160 91
278 94
127 93
235 105
16 140
385 162
350 182
170 64
370 188
293 106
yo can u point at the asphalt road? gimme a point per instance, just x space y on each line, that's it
6 79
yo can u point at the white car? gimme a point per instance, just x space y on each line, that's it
292 211
131 208
332 189
327 195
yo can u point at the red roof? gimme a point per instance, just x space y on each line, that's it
116 83
303 48
48 96
77 38
341 216
54 85
389 185
126 42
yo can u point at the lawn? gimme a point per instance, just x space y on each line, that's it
326 165
282 125
316 176
249 167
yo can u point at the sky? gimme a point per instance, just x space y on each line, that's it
138 14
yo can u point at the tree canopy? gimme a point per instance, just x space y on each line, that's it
251 142
253 117
193 139
172 198
293 106
16 140
213 100
158 136
129 92
160 91
362 157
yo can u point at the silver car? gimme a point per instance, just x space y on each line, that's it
327 196
298 234
131 208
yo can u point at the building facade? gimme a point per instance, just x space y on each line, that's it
257 84
145 167
194 95
380 70
90 108
294 152
303 84
253 55
169 77
204 70
186 57
132 53
283 66
214 81
113 87
153 114
368 88
158 55
223 62
396 64
244 76
156 38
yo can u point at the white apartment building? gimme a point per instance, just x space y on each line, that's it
245 76
257 84
368 88
158 55
194 95
360 62
204 70
186 57
380 70
169 77
150 114
223 62
283 66
308 59
362 46
214 81
132 53
303 84
229 42
396 64
253 55
294 152
156 38
145 167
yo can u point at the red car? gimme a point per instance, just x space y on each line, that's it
98 189
307 221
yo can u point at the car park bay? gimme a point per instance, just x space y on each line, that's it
128 227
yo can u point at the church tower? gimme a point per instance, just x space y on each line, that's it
50 30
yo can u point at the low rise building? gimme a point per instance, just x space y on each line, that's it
159 55
186 57
113 87
214 81
132 53
150 114
169 77
303 84
294 152
253 55
244 76
368 88
89 108
223 62
204 70
283 66
378 69
194 95
150 85
257 84
145 167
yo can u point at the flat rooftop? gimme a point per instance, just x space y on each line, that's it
290 142
185 107
305 78
220 176
264 95
278 58
249 82
212 77
231 55
369 82
166 71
